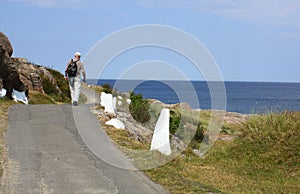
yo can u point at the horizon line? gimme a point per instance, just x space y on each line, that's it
252 81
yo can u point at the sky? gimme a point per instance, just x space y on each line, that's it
250 40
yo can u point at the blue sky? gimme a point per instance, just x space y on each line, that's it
250 40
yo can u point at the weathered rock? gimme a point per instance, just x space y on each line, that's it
30 77
6 43
19 74
116 123
9 73
18 61
139 132
33 76
181 105
4 57
232 117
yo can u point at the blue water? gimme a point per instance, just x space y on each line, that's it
242 97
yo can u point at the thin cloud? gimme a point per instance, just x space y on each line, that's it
50 3
75 4
54 3
265 12
270 12
39 3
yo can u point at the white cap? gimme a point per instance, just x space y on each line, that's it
77 54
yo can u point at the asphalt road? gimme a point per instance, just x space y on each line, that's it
47 154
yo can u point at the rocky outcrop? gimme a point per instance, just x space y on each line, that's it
6 44
33 75
181 105
9 73
232 117
139 132
21 75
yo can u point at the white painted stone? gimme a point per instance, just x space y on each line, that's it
119 103
116 123
115 102
2 92
120 97
19 96
107 102
160 140
128 101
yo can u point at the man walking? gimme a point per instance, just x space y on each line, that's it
73 73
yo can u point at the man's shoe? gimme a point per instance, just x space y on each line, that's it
75 103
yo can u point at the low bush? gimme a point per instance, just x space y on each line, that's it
106 88
200 133
48 87
175 119
139 108
270 140
64 96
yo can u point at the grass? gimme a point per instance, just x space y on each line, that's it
39 98
5 103
264 157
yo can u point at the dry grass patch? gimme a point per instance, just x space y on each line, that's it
4 106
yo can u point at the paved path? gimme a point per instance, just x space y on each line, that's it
47 154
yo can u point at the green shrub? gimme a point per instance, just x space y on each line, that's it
194 144
200 133
175 119
106 88
48 87
62 84
139 108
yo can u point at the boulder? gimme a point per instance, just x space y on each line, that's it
4 41
116 123
19 74
9 73
33 76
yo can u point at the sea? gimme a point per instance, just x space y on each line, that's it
241 97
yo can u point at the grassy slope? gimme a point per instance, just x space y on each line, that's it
4 105
263 158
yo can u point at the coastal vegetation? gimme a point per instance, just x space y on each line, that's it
50 95
260 155
139 108
107 88
64 96
103 88
5 103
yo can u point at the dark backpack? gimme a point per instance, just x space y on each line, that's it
72 69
